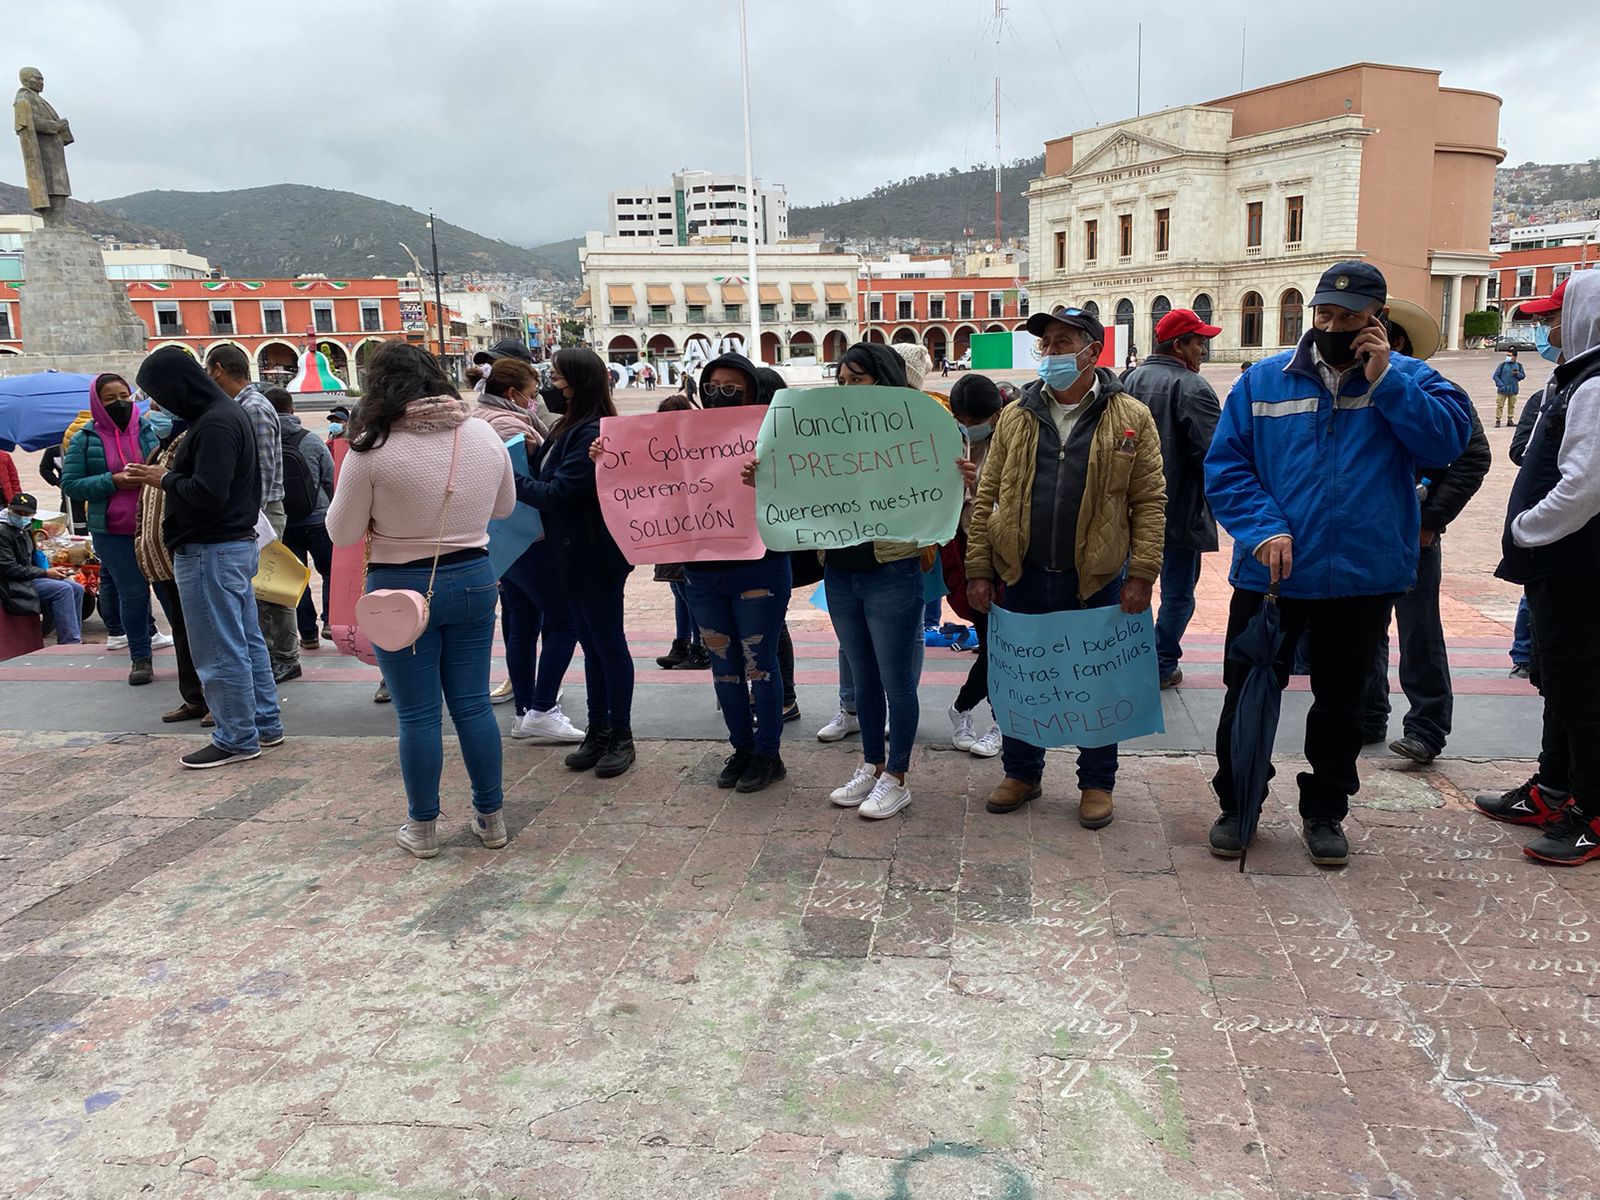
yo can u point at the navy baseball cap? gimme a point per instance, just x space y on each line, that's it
1352 285
1078 318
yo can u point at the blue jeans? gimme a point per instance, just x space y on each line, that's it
63 599
1180 571
740 612
877 616
534 610
1040 591
607 661
219 612
451 657
1522 635
311 542
847 685
115 552
933 612
684 628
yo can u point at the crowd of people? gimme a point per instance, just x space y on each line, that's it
1336 469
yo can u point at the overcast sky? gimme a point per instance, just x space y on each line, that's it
516 117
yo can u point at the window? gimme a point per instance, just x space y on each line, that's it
733 312
769 312
1022 304
1291 318
1559 276
1125 235
966 306
222 318
1093 309
1250 310
935 308
322 316
272 316
1524 283
1252 228
169 322
835 312
996 303
1061 249
1091 241
5 321
1294 220
874 310
371 316
660 314
1159 308
1163 230
1494 287
902 308
697 314
802 312
621 314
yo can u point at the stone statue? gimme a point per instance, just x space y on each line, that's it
45 138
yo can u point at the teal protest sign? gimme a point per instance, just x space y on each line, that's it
510 536
846 465
1084 678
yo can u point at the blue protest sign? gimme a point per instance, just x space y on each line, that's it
510 536
1084 678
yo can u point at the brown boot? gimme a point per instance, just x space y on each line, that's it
1012 794
185 712
1094 810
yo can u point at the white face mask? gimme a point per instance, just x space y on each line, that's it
17 520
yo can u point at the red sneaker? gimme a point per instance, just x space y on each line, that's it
1570 842
1523 805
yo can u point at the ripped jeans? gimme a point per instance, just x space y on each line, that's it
740 611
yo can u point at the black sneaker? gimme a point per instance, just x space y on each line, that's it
591 748
1225 841
1525 804
1570 841
284 672
142 673
1522 671
619 755
213 755
762 772
791 710
1415 749
697 659
1326 843
733 768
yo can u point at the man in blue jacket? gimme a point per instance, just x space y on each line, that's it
1313 474
1506 378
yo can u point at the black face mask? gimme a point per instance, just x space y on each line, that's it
553 399
120 413
1335 347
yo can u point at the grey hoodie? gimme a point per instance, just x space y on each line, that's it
320 458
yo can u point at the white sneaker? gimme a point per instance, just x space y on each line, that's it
491 829
161 641
961 736
553 726
857 790
419 838
888 797
989 744
841 727
118 642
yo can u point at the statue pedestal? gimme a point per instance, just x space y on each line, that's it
69 307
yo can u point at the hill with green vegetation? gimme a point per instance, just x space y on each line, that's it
92 218
935 207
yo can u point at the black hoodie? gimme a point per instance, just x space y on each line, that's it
753 396
213 487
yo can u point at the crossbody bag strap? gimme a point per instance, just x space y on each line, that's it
449 490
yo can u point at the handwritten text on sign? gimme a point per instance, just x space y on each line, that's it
842 466
1084 678
670 489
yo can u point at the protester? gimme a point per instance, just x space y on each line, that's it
1551 546
1522 627
338 419
532 609
1185 411
918 363
975 402
590 570
740 609
770 383
27 589
1507 376
1313 474
420 485
688 651
307 492
95 470
1424 657
229 369
212 494
1068 516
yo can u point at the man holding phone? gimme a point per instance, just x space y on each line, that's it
1313 473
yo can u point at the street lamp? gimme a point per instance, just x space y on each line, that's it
438 283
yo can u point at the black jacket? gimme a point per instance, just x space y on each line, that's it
1530 414
213 489
1186 412
18 596
755 396
1449 488
587 560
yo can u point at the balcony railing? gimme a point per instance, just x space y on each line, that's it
1292 247
1252 251
222 329
168 330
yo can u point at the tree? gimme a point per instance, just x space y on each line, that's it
1482 323
571 332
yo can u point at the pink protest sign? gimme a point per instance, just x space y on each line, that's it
670 489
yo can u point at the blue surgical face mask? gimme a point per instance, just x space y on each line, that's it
1541 343
979 433
1059 371
335 429
16 519
159 421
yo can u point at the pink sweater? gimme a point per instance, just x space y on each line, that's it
398 489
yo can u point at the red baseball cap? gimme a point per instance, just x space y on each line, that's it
1181 321
1550 304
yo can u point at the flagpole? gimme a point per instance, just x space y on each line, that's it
754 297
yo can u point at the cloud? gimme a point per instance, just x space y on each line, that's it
516 117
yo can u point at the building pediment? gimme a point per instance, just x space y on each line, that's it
1123 150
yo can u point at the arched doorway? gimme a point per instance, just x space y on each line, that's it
904 336
802 345
662 347
995 329
834 345
936 343
1250 319
1202 308
963 339
1093 309
1159 307
875 335
770 346
276 362
622 349
364 352
338 360
1125 319
1291 317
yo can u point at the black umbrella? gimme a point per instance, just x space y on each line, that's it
1255 718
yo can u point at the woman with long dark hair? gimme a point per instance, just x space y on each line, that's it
590 571
420 485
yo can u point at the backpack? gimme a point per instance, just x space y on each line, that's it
300 489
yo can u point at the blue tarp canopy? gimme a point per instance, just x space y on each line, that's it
35 410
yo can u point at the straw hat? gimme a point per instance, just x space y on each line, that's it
1419 325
